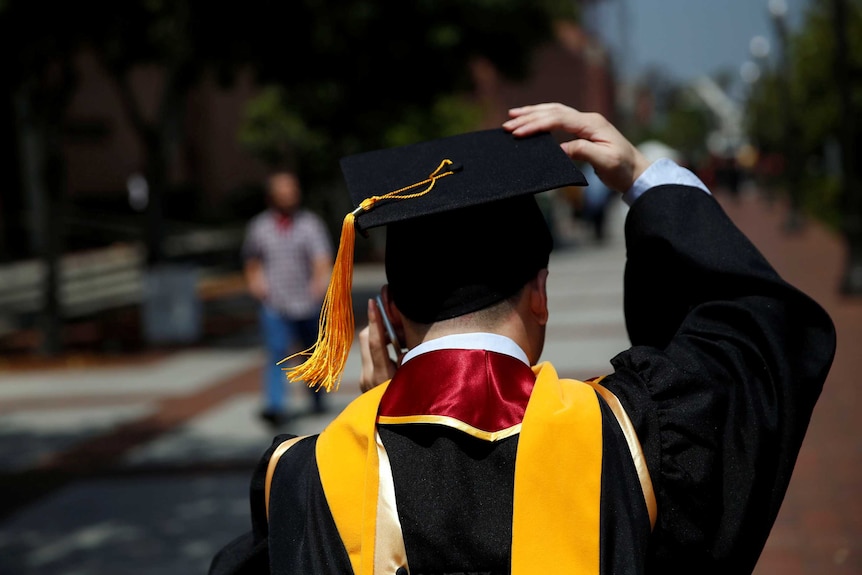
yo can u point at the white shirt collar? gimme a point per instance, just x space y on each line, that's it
478 340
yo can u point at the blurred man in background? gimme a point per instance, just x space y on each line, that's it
287 259
597 198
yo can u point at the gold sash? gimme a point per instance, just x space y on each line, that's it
557 494
557 480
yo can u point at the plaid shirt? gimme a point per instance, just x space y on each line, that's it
287 252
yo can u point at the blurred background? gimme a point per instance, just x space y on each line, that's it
138 137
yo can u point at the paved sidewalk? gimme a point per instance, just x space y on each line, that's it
143 467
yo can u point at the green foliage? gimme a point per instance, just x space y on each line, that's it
363 74
449 115
813 76
681 119
822 198
340 77
765 118
687 125
807 101
272 131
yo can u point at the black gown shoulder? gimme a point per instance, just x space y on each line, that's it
726 365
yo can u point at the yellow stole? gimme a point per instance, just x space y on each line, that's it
555 524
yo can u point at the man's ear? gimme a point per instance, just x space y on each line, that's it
394 316
539 296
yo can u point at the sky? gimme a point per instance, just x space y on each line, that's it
687 38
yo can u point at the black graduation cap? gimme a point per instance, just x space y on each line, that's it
463 230
486 166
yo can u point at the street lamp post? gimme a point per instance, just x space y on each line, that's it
851 283
794 165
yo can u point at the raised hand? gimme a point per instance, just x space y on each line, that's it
616 160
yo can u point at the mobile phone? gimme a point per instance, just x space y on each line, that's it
393 337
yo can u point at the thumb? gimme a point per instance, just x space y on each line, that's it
583 150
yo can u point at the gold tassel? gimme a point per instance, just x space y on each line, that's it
336 326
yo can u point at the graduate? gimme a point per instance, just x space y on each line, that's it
467 453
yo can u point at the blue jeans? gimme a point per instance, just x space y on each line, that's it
283 336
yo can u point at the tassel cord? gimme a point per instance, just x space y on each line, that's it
336 326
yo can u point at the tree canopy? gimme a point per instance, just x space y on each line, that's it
808 99
338 77
362 74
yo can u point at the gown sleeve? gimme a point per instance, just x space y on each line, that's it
248 554
726 364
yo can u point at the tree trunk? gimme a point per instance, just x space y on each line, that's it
159 139
37 158
156 173
851 195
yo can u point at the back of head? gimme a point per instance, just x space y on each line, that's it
463 229
449 264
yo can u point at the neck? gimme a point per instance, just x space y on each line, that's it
508 330
470 341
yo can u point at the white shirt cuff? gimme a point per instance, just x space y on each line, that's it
662 172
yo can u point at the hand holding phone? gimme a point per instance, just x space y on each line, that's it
390 331
378 364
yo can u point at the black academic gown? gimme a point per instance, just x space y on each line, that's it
726 364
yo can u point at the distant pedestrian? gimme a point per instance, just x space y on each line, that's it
287 258
596 200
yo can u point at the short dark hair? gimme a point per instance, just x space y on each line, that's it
445 265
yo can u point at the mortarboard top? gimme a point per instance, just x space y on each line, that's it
400 186
487 165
